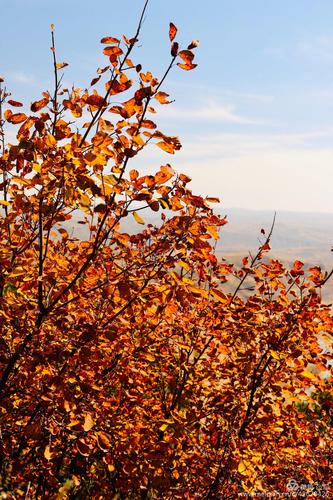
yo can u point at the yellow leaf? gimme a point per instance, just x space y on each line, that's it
85 200
110 179
307 374
182 346
50 140
150 357
88 422
242 467
212 230
47 453
274 354
164 427
20 180
183 264
5 203
168 148
137 218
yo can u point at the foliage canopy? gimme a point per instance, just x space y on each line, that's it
131 366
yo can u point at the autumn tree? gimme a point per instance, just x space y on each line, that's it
130 367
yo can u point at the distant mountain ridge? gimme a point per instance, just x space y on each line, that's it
296 235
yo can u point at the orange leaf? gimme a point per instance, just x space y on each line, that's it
109 39
187 67
17 118
187 56
148 124
213 232
172 31
37 105
103 441
47 453
169 148
134 174
162 97
88 422
7 113
112 51
62 65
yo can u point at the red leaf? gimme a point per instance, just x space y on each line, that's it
172 31
16 104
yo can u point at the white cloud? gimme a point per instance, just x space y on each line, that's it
259 171
320 48
23 78
211 111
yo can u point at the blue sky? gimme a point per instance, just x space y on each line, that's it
255 117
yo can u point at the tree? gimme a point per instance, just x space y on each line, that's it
128 367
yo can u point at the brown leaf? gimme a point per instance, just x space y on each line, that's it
16 104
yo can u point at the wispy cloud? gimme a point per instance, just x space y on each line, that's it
265 171
212 112
23 78
320 48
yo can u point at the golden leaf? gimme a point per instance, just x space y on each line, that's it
137 218
47 453
88 422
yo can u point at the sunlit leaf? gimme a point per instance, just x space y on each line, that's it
172 31
88 422
137 218
109 40
112 51
167 147
16 118
187 66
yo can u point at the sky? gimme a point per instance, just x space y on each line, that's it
255 117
